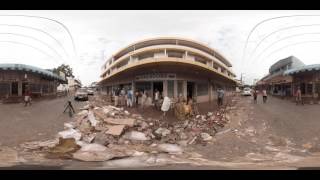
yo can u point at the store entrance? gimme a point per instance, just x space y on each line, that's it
190 90
157 85
14 88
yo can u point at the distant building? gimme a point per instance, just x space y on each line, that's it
16 79
276 82
73 84
308 79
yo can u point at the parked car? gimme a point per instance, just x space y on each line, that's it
90 92
246 92
81 94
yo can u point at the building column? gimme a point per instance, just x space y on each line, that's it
175 88
184 89
210 92
19 88
165 88
133 92
151 95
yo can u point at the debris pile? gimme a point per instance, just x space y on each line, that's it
97 133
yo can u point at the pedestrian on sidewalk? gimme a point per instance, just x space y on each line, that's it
255 96
264 95
220 97
299 97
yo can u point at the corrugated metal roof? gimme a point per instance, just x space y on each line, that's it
23 67
313 67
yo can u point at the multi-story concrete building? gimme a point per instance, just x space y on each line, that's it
171 65
16 78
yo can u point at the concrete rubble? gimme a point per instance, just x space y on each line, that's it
97 132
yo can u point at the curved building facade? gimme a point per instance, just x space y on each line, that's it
173 66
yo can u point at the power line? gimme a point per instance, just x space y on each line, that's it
20 43
288 37
282 29
261 22
52 20
36 39
40 30
294 44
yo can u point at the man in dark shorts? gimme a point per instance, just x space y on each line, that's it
255 96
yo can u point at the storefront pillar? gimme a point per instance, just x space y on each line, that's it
175 89
19 88
165 88
184 89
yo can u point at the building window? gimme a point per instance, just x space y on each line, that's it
170 89
202 89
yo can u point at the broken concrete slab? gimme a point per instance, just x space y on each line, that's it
64 148
92 119
70 133
115 130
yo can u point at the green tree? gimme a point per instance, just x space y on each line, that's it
66 69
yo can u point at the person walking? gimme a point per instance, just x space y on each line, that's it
123 97
156 98
136 94
143 99
255 96
129 98
264 95
116 97
299 97
220 97
27 98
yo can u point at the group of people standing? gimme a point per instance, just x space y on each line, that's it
123 97
264 95
298 96
126 97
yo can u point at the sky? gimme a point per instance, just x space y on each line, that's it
86 39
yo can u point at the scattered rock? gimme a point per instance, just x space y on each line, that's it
135 135
170 148
163 131
206 137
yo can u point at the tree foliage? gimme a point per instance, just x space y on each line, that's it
66 69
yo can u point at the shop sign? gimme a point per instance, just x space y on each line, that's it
156 76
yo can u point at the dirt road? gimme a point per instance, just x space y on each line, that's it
40 121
